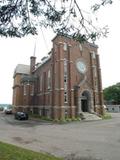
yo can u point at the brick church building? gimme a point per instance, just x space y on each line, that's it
65 83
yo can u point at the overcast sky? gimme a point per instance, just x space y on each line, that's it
15 51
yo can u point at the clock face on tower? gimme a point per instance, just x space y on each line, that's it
81 66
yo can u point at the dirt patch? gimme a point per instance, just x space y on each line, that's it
75 157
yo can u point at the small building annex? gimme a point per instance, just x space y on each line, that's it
65 83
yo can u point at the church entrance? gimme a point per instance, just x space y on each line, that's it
84 102
84 105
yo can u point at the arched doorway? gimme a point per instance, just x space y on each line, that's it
85 101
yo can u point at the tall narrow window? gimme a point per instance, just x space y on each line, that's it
65 81
32 90
80 47
65 66
41 82
49 80
24 89
65 47
93 55
95 71
95 77
65 97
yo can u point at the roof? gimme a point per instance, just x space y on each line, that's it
22 69
44 60
30 78
70 37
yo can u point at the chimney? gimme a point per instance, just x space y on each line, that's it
32 64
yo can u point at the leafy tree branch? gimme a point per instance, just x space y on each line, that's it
22 17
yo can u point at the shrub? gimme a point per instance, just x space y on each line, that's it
106 116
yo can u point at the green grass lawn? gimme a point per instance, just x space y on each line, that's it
11 152
107 116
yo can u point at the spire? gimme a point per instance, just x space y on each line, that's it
33 58
32 64
34 48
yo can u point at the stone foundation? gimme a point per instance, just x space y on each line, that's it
56 112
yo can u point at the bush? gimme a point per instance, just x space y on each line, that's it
62 120
106 116
1 108
74 119
40 117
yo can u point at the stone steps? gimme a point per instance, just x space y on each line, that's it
90 116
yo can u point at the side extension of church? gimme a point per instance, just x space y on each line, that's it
64 84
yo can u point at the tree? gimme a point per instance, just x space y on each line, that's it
22 17
112 94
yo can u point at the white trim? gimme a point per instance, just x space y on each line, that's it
58 89
82 61
60 42
39 94
65 46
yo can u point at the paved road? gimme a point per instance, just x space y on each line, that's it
99 139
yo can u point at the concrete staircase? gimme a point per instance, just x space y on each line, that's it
89 116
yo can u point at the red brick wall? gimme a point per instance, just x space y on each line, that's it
54 96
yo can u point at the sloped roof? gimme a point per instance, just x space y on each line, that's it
22 69
30 78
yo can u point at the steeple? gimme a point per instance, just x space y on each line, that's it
33 60
34 49
32 64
